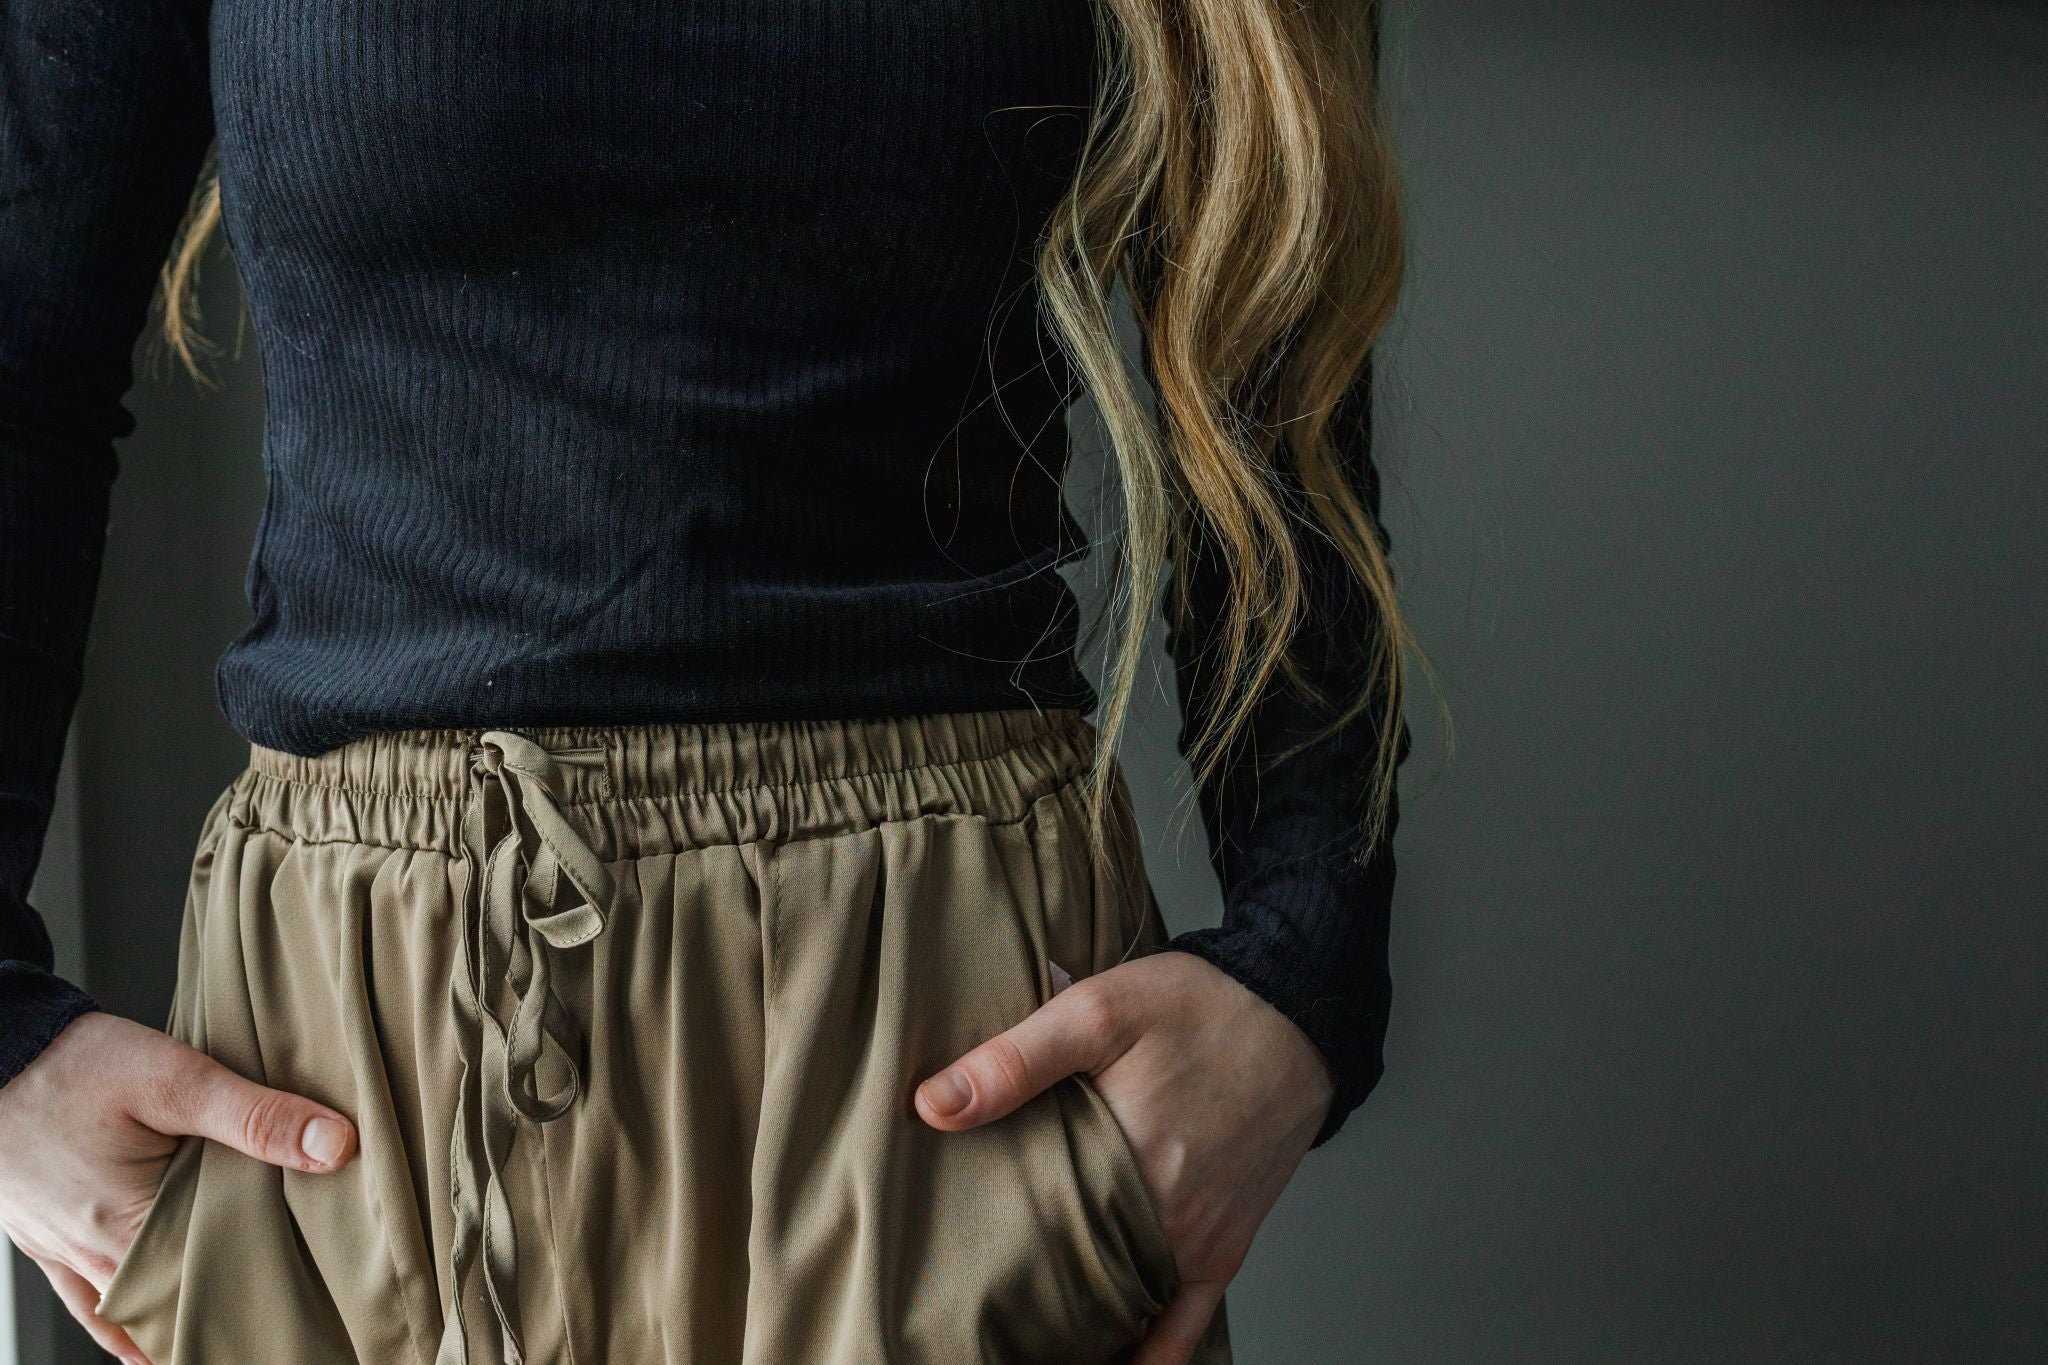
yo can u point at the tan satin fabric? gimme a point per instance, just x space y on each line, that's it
792 925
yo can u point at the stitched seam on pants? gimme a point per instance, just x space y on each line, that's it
773 908
384 1221
547 1201
294 837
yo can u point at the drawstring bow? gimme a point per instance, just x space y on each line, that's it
522 878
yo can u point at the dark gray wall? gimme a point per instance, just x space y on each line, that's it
153 750
1719 408
1714 423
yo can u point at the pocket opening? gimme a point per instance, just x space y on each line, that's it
1110 1174
137 1294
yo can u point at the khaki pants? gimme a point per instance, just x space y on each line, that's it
629 1021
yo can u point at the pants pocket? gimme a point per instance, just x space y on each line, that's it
1108 1170
1082 920
1093 918
877 1237
142 1297
144 1289
1106 1162
238 1259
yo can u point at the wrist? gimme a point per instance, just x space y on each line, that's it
35 1006
1342 1016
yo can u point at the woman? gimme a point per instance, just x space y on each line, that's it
645 928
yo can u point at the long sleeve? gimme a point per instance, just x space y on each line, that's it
104 122
1305 922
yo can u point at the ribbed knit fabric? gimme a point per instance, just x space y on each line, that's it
624 362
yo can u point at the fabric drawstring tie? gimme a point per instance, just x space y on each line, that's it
520 880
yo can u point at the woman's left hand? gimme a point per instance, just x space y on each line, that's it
1219 1094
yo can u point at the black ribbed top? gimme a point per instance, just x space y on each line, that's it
624 362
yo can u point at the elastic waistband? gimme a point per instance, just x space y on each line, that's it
691 783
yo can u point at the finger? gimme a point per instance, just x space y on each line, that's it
1077 1030
1176 1332
81 1300
199 1096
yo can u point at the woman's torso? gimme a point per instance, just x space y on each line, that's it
635 361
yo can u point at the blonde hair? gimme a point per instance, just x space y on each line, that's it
1235 182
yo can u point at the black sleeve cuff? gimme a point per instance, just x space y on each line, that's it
35 1006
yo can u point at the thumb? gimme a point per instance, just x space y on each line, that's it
200 1097
1079 1029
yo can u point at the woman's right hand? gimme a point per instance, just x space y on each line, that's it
87 1130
